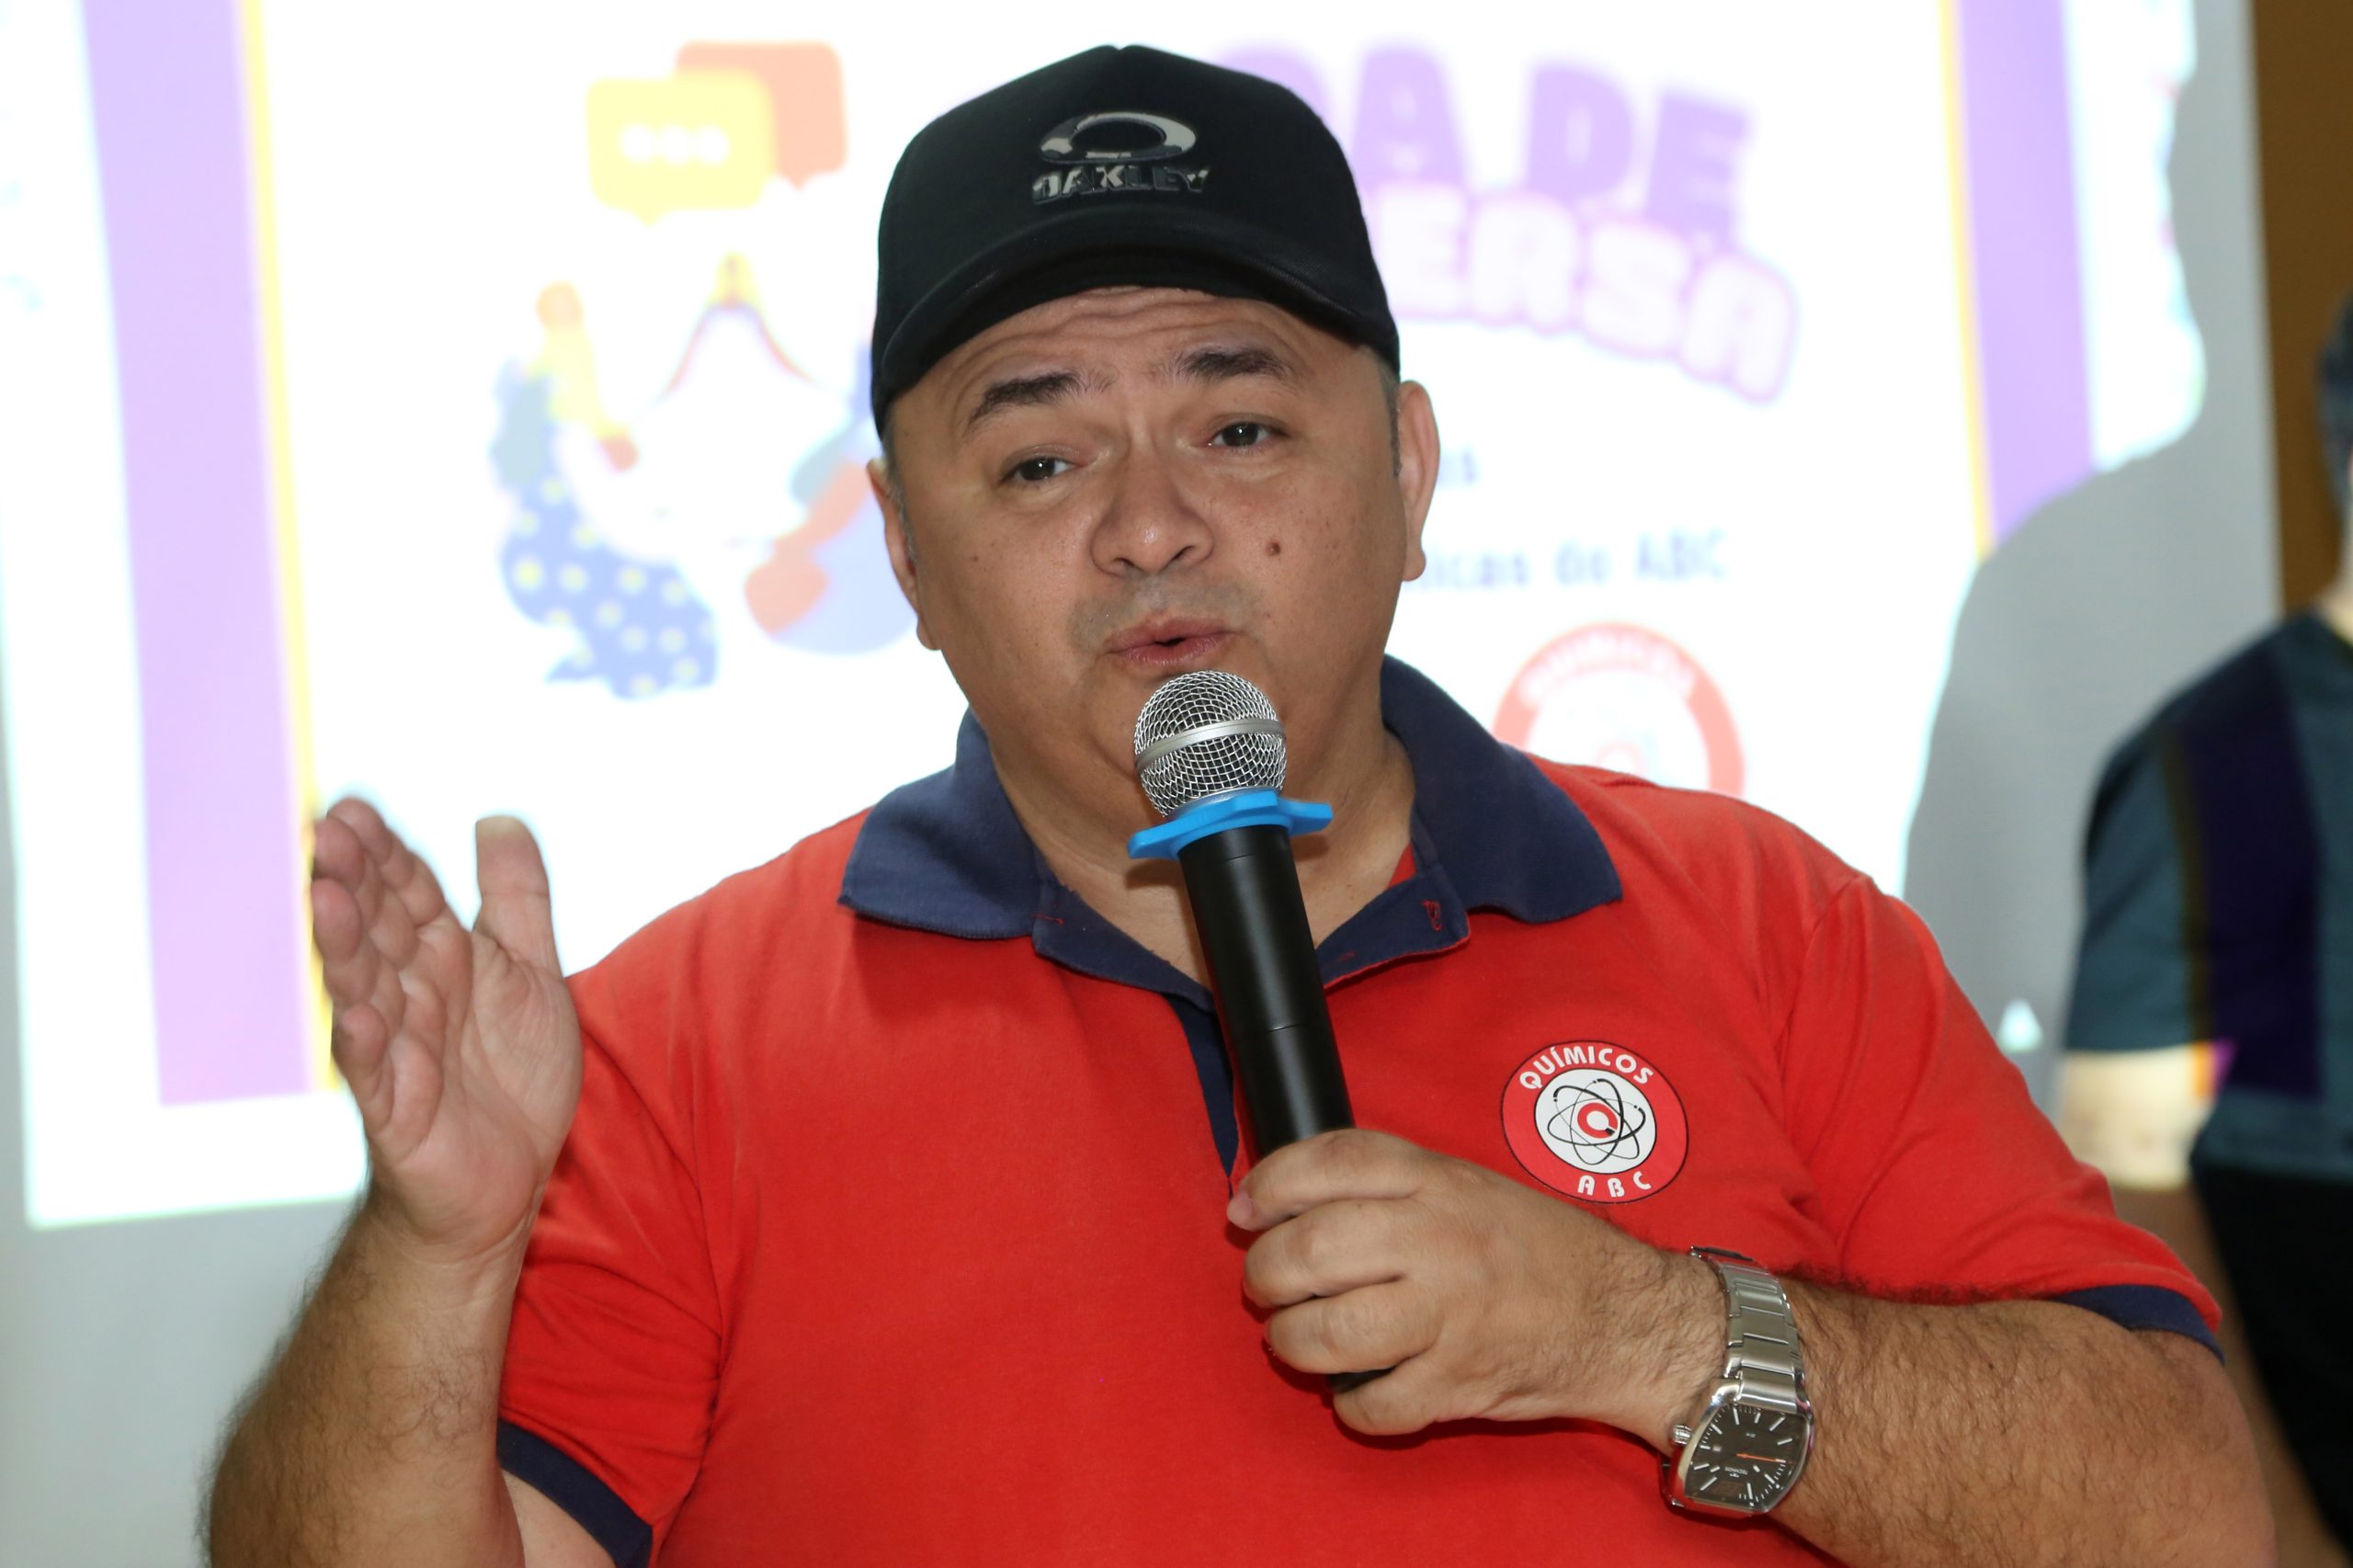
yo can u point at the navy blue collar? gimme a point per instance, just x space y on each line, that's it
1489 831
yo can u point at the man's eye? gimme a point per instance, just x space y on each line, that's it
1037 470
1241 432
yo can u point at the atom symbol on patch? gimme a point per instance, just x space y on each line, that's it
1596 1125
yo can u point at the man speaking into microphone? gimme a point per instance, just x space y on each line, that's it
889 1203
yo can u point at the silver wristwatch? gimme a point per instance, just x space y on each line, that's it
1746 1443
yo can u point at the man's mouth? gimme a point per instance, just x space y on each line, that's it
1170 643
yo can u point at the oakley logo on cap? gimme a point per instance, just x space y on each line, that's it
1122 167
1061 144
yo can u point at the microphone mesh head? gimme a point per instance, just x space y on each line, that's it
1217 763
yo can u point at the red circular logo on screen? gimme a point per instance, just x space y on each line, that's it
1622 697
1594 1121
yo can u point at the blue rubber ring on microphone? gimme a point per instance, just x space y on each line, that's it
1243 808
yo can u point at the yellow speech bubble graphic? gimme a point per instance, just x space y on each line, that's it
698 139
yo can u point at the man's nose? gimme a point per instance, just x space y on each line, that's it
1149 524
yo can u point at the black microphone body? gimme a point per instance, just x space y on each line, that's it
1210 755
1253 925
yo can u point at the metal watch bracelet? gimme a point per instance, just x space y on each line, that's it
1761 1337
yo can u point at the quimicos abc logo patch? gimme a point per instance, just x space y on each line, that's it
1594 1121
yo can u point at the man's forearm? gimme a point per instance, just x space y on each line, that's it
374 1438
2175 1217
2018 1432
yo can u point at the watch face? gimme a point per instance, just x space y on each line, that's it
1744 1458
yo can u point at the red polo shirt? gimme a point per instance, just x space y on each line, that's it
891 1228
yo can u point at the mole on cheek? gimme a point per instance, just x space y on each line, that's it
1274 547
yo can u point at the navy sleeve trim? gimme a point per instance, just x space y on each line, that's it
566 1483
2145 1306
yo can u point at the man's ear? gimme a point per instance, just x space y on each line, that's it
901 544
1418 455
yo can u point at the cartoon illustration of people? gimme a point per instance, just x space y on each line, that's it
733 512
638 625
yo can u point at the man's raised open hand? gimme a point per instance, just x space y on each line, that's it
460 1047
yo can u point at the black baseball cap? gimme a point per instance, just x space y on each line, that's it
1117 166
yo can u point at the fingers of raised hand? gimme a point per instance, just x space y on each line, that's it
409 879
367 936
400 876
337 925
358 1039
341 858
336 853
354 967
1379 1325
358 961
514 880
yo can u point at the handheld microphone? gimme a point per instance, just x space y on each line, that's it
1211 753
